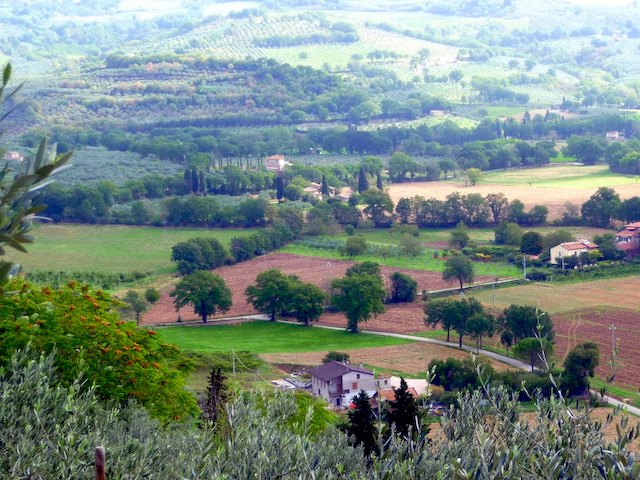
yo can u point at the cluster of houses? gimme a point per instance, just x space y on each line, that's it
277 163
627 240
339 383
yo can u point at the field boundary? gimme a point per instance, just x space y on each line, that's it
480 286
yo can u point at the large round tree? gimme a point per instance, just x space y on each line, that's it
206 291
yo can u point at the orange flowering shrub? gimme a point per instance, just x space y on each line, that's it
90 339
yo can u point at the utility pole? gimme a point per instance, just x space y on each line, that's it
613 337
493 289
233 361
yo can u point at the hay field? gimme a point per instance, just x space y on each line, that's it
552 186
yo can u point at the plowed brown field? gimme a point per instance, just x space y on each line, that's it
411 358
310 269
594 325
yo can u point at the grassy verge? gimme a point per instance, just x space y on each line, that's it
267 337
620 392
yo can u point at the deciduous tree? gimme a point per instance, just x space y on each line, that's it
403 288
459 268
205 291
269 294
534 351
360 296
354 246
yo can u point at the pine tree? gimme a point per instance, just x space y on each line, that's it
363 183
362 423
379 182
403 411
324 190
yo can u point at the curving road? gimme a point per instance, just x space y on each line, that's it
496 356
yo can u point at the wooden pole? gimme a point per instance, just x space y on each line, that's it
101 466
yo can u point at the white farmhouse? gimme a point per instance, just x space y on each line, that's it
339 382
274 163
569 249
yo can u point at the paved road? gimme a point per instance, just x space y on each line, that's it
496 356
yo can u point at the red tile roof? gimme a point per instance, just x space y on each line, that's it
390 395
579 245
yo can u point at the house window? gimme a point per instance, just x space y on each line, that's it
358 376
355 386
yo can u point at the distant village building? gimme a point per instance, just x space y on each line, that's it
15 156
338 383
571 249
613 135
274 163
436 113
629 239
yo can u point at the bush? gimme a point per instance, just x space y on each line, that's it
349 229
337 357
152 295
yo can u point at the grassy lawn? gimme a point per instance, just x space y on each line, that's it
565 176
424 262
267 337
110 248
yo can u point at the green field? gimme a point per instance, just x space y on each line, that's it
564 176
427 235
501 111
267 337
423 262
110 248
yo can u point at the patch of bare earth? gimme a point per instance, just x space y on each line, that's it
594 325
553 198
411 358
310 269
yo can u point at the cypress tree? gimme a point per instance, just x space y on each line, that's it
361 423
363 183
194 180
279 184
379 181
403 411
202 185
187 181
324 190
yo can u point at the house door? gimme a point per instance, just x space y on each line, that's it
338 402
